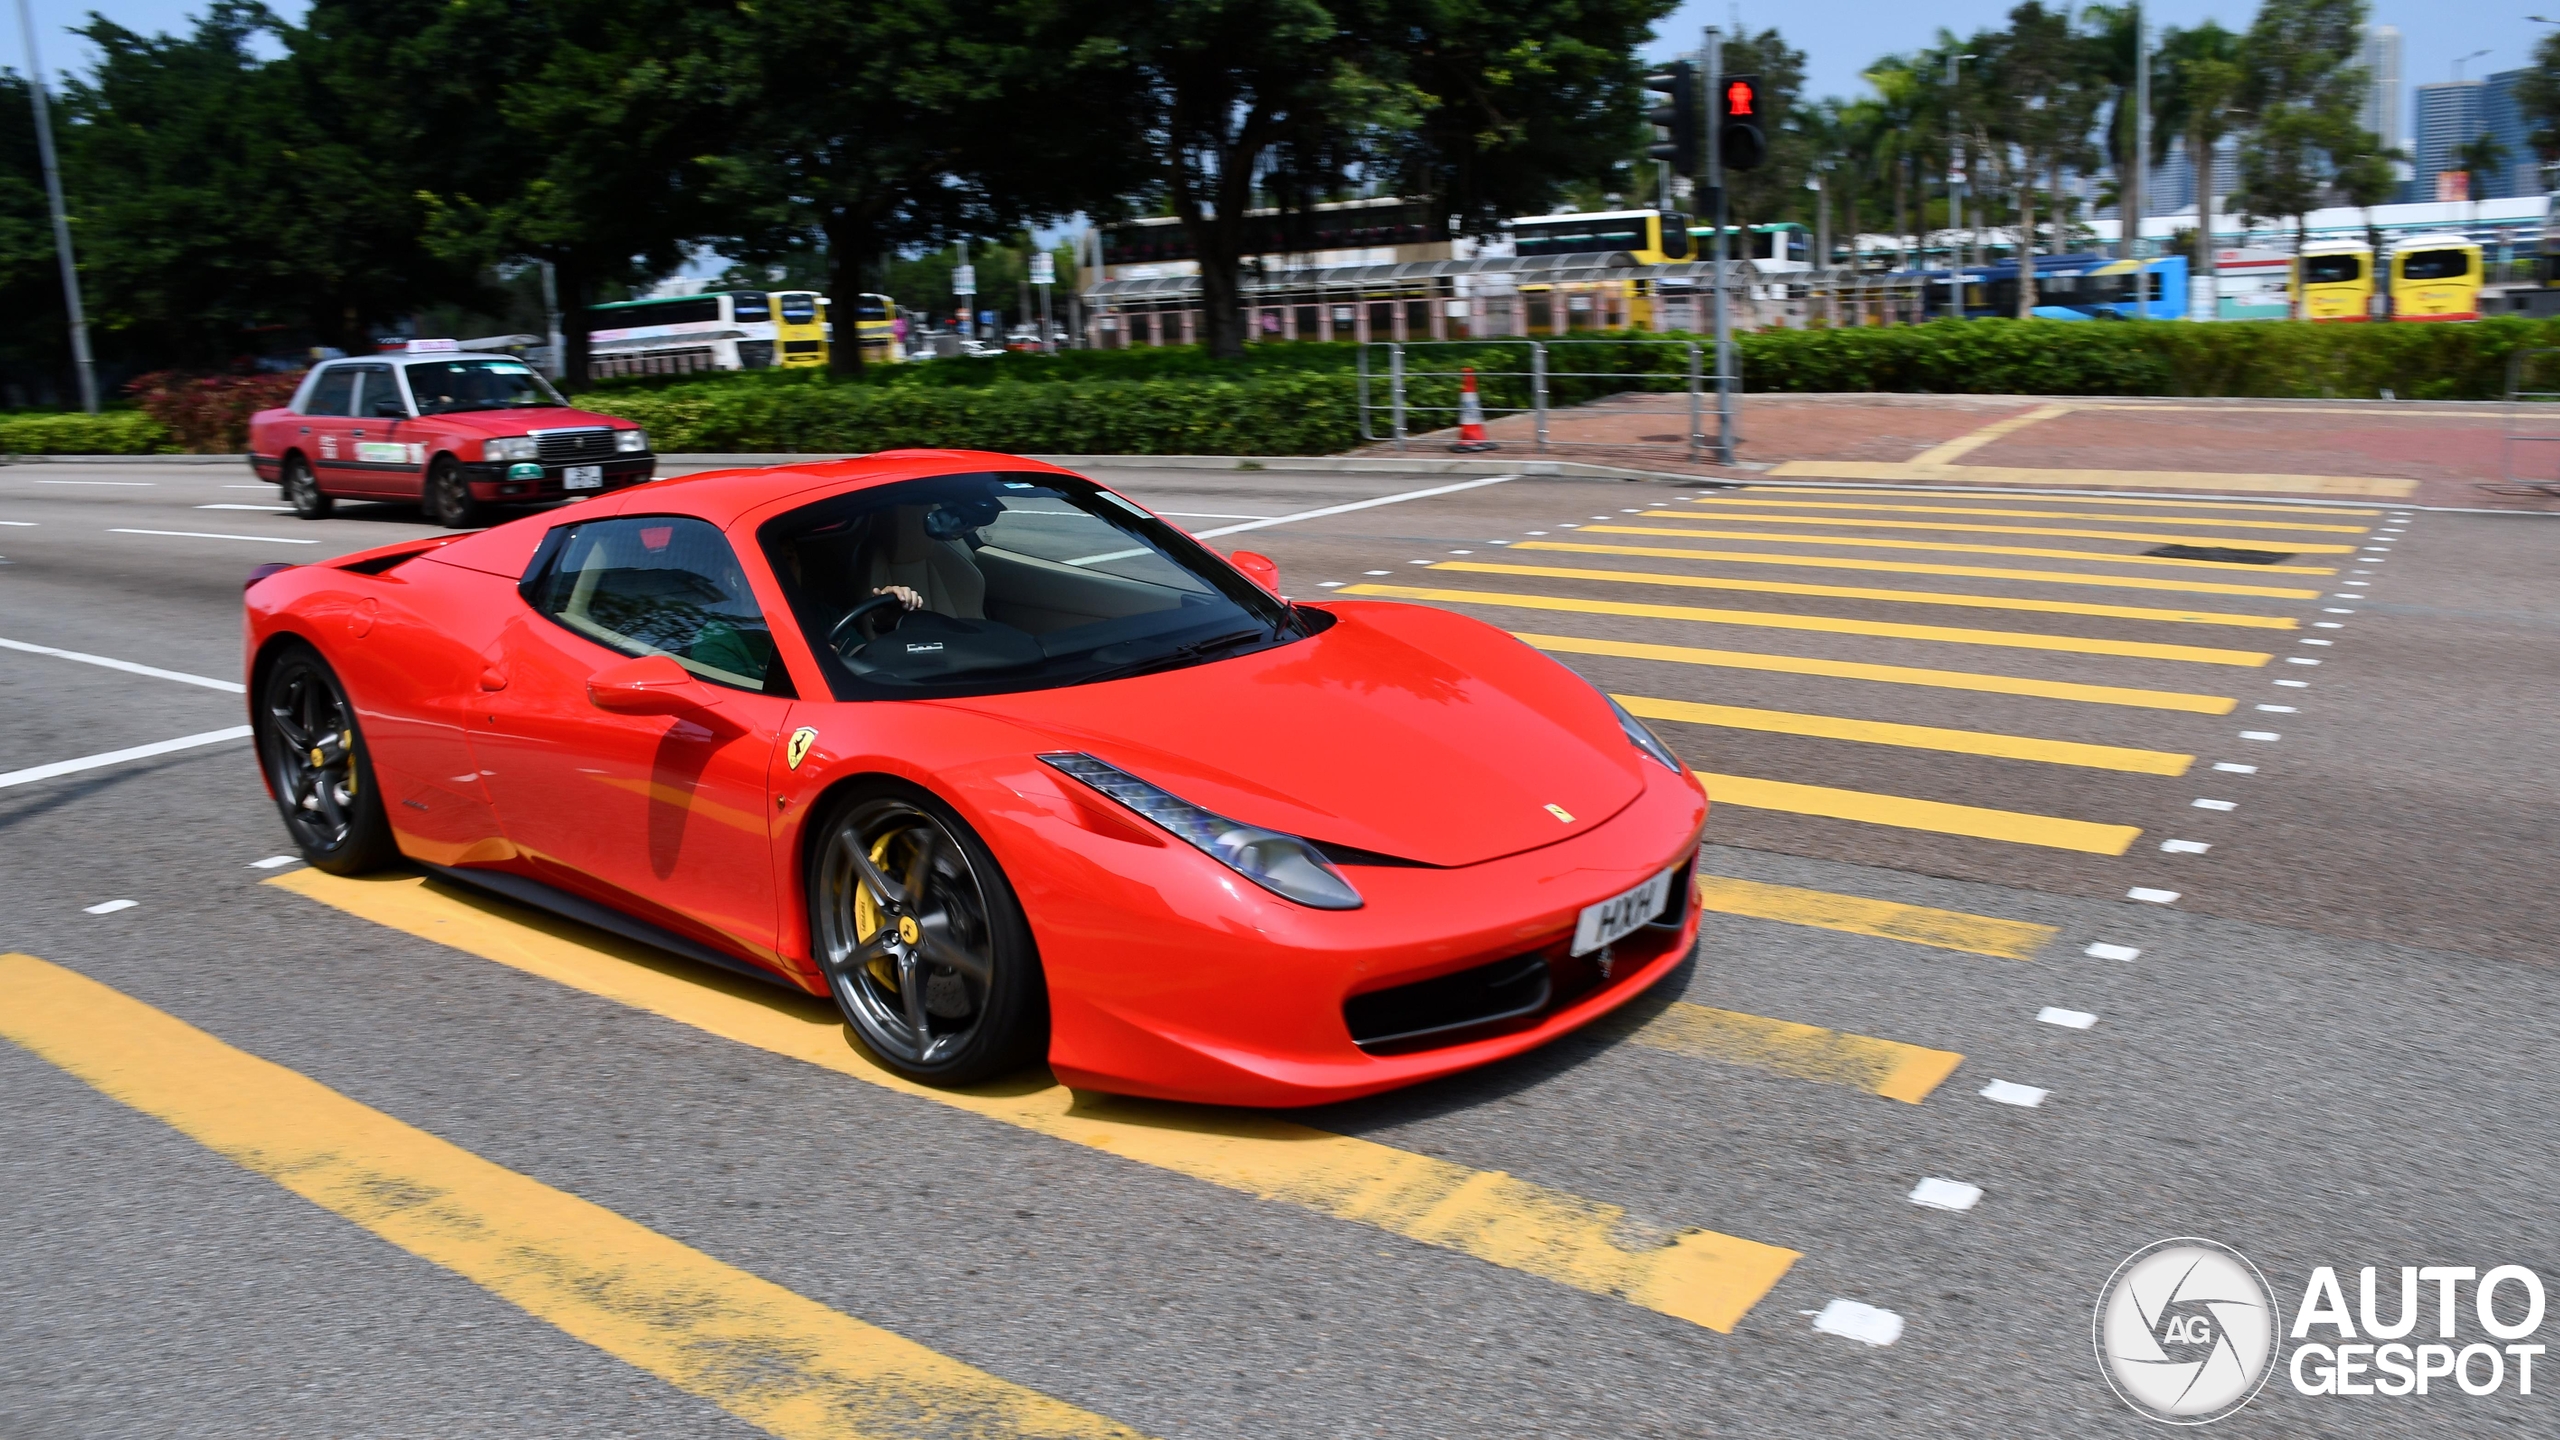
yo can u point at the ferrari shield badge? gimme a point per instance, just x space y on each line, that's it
1560 813
798 749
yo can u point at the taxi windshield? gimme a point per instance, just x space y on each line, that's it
445 386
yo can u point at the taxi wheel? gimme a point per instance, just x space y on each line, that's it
449 501
302 490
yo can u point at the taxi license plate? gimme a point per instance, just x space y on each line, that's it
1617 918
582 477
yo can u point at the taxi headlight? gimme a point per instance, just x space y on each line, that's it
1285 865
630 441
513 447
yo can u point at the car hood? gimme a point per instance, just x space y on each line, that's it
1405 731
518 422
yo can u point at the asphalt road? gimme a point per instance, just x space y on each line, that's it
2334 1047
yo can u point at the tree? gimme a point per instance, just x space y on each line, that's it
2041 108
2203 71
2538 96
2480 156
2112 59
35 349
2303 87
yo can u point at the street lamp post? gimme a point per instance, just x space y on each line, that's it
81 363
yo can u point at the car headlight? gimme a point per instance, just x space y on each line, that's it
630 442
1643 738
512 447
1285 865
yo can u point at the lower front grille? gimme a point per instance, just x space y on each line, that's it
1441 1010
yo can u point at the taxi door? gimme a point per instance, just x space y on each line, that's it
385 461
328 414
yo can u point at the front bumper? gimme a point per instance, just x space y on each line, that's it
1172 978
489 480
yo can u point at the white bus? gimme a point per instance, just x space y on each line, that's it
678 334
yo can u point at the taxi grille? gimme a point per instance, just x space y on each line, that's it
563 446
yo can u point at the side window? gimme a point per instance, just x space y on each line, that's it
662 585
381 397
334 393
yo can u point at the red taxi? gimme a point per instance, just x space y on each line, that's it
454 431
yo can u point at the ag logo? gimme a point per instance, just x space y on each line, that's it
2186 1331
798 748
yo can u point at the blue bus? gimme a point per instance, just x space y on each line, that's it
2068 287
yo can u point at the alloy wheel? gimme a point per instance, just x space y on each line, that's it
904 932
311 753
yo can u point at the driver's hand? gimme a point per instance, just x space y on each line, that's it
906 597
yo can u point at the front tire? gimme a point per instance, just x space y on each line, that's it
302 490
922 941
449 498
315 759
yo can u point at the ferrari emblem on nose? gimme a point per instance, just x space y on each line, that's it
1560 813
798 749
908 930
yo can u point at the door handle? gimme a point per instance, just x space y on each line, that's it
493 679
359 434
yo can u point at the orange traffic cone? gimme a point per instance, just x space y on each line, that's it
1471 419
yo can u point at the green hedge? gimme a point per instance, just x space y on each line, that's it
117 432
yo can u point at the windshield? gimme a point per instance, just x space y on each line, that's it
2436 265
985 583
445 386
2332 269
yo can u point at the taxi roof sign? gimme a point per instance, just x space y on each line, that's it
434 347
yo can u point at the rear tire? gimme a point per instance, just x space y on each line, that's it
315 759
449 499
940 978
302 490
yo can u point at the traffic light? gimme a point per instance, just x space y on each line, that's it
1675 117
1740 141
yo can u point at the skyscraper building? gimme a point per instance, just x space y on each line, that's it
2449 114
2381 60
2520 172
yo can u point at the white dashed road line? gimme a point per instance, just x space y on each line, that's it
2215 804
34 773
275 862
2009 1092
2067 1019
204 535
2149 896
1940 1194
126 666
108 907
1863 1323
2104 951
2185 847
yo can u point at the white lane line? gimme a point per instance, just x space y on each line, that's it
2186 847
2104 951
1418 562
34 773
1180 515
2229 767
2215 804
108 907
2149 896
248 487
2295 684
2067 1019
2328 624
127 666
1377 572
2309 640
1940 1194
2300 660
2280 709
1328 584
2010 1092
271 509
2260 735
1358 505
144 484
204 535
2335 609
275 862
1537 532
1865 1324
20 524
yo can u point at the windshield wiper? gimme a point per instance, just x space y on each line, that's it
1179 654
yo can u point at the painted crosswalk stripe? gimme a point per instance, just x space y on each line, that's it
1887 674
1919 567
1903 812
773 1358
2171 504
1774 620
1888 1068
1884 919
1954 547
1917 737
1696 1275
2143 536
1722 502
1858 592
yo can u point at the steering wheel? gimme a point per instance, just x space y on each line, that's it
855 616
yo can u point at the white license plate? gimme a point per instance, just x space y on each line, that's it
1619 917
582 477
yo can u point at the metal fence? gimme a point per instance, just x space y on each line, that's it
1391 371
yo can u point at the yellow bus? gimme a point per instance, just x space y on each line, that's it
2335 280
2435 277
875 320
1652 237
799 328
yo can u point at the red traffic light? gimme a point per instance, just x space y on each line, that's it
1742 98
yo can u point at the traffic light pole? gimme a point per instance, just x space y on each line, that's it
1723 448
81 363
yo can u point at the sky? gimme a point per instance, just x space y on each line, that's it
1840 38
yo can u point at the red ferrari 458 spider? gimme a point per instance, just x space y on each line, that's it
1002 762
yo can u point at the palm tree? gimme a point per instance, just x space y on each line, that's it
2479 157
2204 75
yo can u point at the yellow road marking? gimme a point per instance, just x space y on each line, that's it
1859 592
1722 503
2214 480
2265 506
1948 452
1949 547
1888 674
767 1355
1694 1275
1905 567
1918 737
2145 536
1886 919
1773 620
1905 813
1888 1068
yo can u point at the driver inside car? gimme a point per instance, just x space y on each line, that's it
925 562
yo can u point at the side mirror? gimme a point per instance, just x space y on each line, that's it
1259 568
650 685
